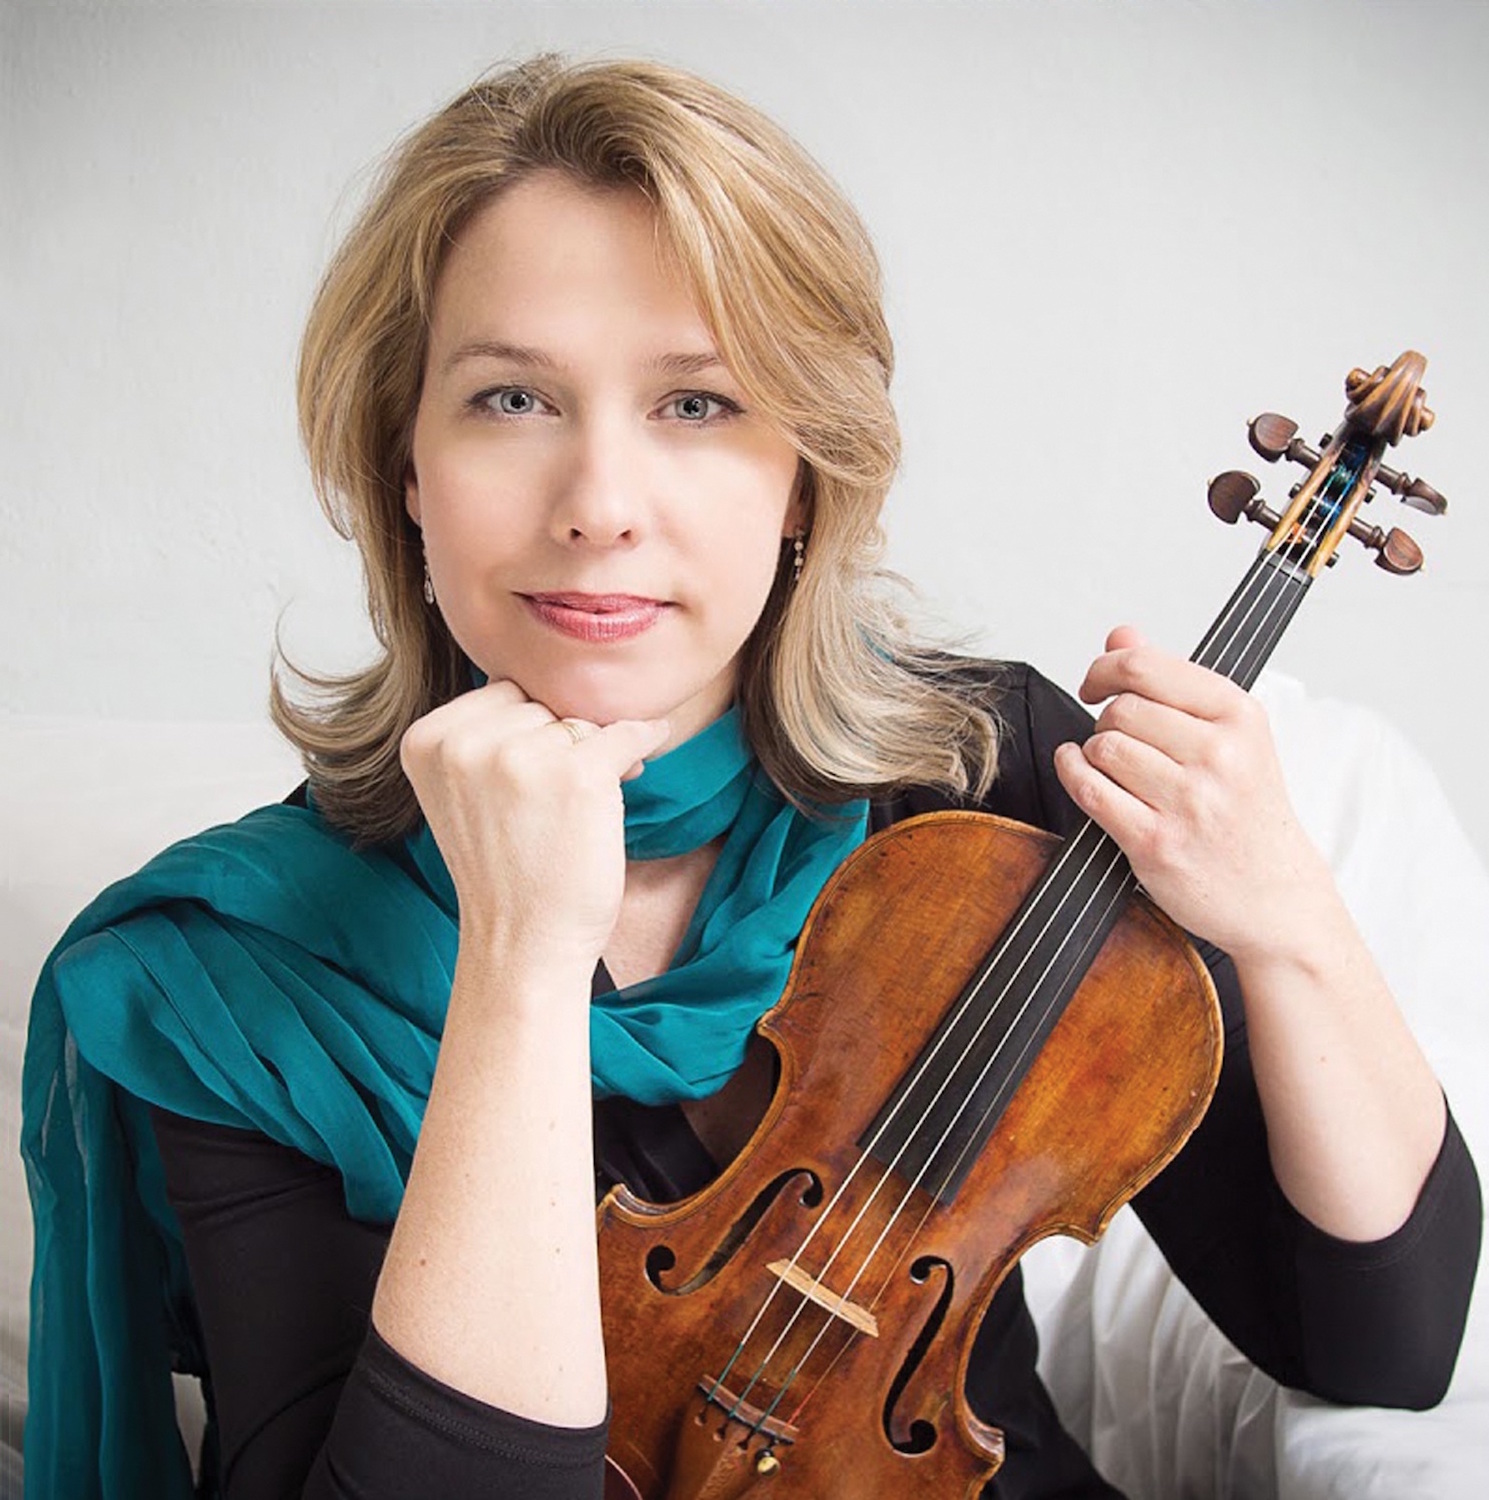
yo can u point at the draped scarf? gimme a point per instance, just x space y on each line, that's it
267 976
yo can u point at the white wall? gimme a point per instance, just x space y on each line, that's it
1111 233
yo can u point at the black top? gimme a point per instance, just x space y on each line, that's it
306 1398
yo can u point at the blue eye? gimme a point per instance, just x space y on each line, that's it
693 408
511 400
505 401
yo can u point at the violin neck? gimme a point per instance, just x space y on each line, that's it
1247 630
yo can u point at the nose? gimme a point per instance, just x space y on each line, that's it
598 493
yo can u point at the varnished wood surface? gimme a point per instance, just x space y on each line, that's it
1116 1090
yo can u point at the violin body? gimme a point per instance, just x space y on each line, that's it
875 1408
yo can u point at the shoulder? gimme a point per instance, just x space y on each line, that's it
1034 716
1018 694
190 931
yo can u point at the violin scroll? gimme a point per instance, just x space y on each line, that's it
1384 406
1390 403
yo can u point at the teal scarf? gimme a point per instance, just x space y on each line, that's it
266 976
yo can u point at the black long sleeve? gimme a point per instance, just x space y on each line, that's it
309 1400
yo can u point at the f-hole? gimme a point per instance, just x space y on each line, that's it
920 1436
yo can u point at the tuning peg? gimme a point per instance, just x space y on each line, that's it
1270 434
1416 493
1275 436
1235 494
1395 551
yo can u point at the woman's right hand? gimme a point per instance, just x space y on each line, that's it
528 816
490 1283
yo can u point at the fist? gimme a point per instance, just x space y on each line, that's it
527 811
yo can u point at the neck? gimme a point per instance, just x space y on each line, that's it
655 910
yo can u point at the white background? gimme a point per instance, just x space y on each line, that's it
1111 233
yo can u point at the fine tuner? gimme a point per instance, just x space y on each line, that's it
1343 473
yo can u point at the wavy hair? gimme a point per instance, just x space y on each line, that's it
838 698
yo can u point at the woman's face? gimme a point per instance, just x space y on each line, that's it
601 513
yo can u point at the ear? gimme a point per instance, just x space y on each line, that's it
799 507
411 495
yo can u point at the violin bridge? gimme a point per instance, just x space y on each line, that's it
813 1290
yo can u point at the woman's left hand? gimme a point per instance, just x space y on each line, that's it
1182 773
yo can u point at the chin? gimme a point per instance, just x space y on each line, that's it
604 687
601 697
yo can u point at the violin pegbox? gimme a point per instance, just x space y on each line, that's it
1384 406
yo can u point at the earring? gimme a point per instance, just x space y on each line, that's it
428 584
799 556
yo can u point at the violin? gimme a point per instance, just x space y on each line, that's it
988 1036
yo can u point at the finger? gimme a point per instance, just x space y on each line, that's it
624 744
498 690
1150 673
470 720
501 702
1123 637
578 730
1181 736
1140 769
1128 819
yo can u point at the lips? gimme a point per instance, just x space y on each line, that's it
595 617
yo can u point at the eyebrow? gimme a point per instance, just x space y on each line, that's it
528 358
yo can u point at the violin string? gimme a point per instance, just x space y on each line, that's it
823 1376
1270 570
1271 627
1067 853
1313 511
1272 581
1124 887
1125 884
1204 656
1273 570
1283 571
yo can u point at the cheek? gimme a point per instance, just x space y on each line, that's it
449 486
469 517
741 570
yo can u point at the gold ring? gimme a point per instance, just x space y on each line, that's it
577 730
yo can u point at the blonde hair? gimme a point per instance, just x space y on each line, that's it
837 699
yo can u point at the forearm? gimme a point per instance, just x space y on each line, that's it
1354 1114
1182 772
490 1281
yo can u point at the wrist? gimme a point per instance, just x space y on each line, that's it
503 991
524 953
1297 919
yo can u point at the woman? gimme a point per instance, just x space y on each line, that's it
318 1104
